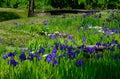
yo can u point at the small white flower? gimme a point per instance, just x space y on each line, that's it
45 55
45 33
56 32
81 27
111 32
49 34
60 33
90 27
32 52
96 27
100 27
101 31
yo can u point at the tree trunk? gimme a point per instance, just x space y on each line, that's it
31 8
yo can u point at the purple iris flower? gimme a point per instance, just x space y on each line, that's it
104 44
54 50
90 49
84 41
87 49
59 36
55 62
70 37
13 62
117 31
70 48
45 22
62 47
52 36
22 57
36 54
42 50
5 56
79 63
14 53
114 41
10 54
53 55
108 20
49 58
98 44
31 56
112 30
118 46
39 58
71 55
93 49
105 29
112 48
107 32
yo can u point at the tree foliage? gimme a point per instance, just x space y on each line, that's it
79 4
14 3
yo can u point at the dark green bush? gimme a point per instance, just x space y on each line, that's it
8 16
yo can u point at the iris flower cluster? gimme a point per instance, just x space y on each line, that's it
23 56
70 52
11 55
52 57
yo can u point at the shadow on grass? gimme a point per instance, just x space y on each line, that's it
4 16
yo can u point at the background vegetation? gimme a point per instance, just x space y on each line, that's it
50 4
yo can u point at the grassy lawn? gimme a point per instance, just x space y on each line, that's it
64 40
